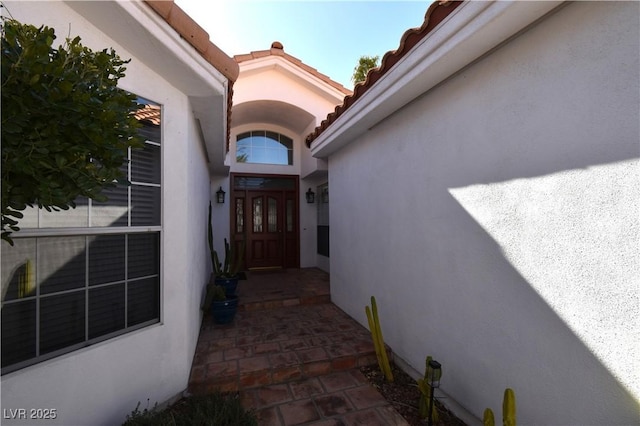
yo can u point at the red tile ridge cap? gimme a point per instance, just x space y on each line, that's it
196 36
435 14
278 50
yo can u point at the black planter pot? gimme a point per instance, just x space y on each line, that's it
229 284
224 311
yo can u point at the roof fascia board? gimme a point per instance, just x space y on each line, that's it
209 107
276 62
178 47
472 30
206 86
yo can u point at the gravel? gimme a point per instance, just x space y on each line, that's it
403 395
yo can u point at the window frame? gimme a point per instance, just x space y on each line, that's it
289 151
88 232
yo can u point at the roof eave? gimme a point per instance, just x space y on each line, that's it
470 31
161 35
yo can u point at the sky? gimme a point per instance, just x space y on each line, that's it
327 35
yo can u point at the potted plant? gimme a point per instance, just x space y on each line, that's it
225 274
223 308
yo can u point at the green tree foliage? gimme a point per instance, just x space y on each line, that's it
365 63
66 126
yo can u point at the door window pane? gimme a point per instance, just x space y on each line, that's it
259 182
239 215
257 215
289 215
272 216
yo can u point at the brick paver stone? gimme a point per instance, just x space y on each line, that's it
256 363
313 354
293 362
268 417
298 412
338 381
274 394
306 388
333 404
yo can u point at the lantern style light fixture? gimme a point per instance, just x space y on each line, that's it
220 196
433 380
325 195
311 196
436 371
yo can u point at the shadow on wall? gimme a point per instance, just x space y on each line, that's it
518 281
568 288
67 314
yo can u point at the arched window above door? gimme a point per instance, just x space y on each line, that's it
264 147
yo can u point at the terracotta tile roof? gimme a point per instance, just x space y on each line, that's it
197 37
150 113
435 14
278 50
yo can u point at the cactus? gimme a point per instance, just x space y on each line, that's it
509 408
232 259
26 283
425 393
378 341
488 419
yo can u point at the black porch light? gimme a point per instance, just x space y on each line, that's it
433 380
220 196
311 196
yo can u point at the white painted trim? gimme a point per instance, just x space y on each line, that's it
470 31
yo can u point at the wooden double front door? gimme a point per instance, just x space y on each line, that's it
265 216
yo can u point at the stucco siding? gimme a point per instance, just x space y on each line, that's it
284 87
102 383
495 220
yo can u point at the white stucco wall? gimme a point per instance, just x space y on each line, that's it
496 221
276 80
284 82
102 383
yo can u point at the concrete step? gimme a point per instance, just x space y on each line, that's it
285 301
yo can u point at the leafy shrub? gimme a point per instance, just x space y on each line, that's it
207 410
66 126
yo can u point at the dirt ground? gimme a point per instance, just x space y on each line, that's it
404 395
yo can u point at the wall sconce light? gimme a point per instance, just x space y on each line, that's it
311 196
433 380
325 195
220 196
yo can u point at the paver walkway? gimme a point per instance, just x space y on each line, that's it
292 355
